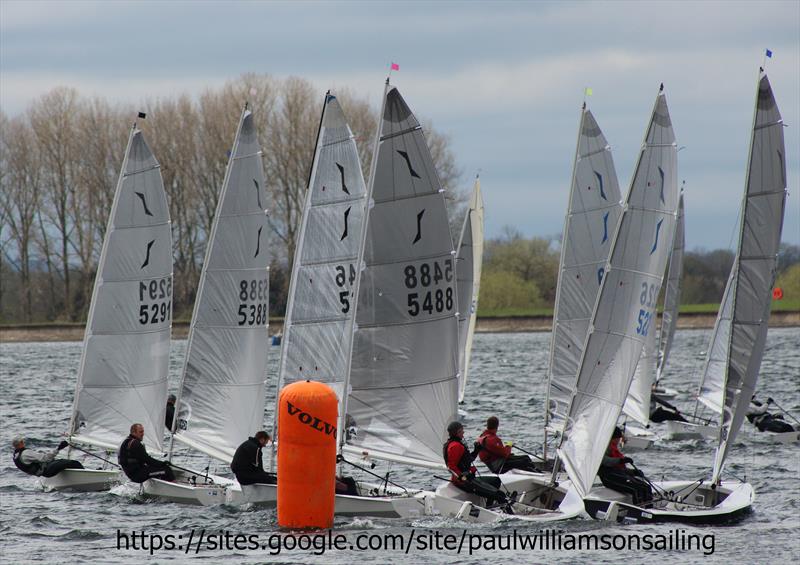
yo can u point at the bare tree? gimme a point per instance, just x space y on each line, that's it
53 118
20 199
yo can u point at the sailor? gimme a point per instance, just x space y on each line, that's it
459 461
248 463
661 410
41 463
170 415
346 485
496 455
135 461
616 476
759 416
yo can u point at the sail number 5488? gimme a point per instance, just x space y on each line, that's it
429 275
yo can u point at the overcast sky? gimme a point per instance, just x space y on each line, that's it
504 80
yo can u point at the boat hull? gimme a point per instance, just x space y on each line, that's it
82 480
687 430
195 488
531 502
638 439
695 507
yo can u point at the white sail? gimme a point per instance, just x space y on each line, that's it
624 314
405 356
221 397
468 282
755 266
123 370
712 382
637 404
592 216
672 294
318 328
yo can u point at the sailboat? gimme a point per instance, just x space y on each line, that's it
672 301
743 320
123 370
322 303
623 313
593 210
221 397
655 352
469 261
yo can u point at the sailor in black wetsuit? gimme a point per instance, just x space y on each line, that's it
135 461
248 463
39 463
170 414
759 416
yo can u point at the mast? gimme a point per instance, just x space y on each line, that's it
564 239
98 277
340 440
755 266
293 279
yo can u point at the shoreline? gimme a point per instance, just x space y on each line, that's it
24 333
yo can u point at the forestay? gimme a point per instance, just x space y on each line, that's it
623 315
755 266
123 372
637 404
318 329
592 215
405 355
221 396
468 282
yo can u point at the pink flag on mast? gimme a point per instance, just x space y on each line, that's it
395 67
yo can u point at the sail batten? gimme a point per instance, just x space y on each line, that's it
221 395
624 311
123 372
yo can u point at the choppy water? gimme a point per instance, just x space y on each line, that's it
507 380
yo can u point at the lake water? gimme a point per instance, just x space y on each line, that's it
507 379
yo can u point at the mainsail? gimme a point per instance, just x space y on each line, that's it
672 294
318 329
123 371
755 266
468 282
405 355
624 313
589 225
657 345
221 397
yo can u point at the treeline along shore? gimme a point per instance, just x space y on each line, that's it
19 333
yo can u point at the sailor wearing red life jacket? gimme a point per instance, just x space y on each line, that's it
459 461
497 455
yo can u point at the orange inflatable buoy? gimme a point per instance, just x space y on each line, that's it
777 293
307 415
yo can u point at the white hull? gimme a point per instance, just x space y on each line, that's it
687 430
82 480
391 503
202 490
258 494
784 437
531 488
638 439
689 503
